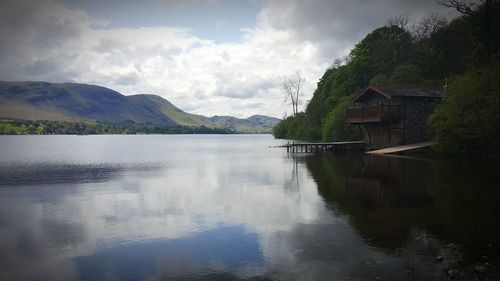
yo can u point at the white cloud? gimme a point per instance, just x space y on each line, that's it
43 40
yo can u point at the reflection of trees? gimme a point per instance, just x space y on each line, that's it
467 196
387 198
373 192
292 183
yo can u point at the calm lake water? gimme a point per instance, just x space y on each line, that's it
206 207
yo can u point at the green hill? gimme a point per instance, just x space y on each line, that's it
264 121
74 102
164 107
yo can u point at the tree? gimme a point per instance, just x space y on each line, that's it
428 27
378 53
483 16
400 21
292 89
467 122
466 7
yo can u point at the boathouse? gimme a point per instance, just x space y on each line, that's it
393 115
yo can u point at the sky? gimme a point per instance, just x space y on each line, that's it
209 57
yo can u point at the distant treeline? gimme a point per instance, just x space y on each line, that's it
466 51
46 127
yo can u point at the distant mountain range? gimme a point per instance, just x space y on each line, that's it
82 102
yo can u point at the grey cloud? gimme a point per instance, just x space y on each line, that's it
200 95
184 3
44 40
337 25
244 89
106 45
33 36
127 79
253 105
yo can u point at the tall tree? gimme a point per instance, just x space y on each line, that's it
484 18
292 89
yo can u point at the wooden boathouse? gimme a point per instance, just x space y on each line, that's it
393 115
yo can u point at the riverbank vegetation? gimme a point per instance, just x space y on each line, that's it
465 51
45 127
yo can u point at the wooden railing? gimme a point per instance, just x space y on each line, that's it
372 114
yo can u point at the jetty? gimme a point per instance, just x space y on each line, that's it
403 148
312 147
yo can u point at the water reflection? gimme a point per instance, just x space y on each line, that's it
383 197
216 250
230 208
50 173
412 207
61 224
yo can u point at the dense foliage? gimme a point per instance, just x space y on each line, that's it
388 54
468 121
425 53
44 127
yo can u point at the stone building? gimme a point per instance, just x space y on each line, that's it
393 115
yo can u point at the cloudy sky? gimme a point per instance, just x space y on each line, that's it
210 57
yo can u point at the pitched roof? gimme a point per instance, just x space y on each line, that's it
390 91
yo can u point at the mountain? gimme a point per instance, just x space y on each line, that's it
253 124
82 102
163 106
264 121
237 125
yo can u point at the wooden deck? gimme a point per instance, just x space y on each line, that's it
312 147
402 148
372 114
324 146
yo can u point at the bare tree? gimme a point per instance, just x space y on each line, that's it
338 62
292 89
485 15
424 33
466 7
400 21
428 26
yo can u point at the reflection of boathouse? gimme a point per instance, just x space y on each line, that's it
393 115
383 185
387 200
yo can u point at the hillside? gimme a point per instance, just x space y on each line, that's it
80 102
163 106
237 125
264 121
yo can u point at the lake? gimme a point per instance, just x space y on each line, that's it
230 207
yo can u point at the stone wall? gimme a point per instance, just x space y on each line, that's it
412 125
414 114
